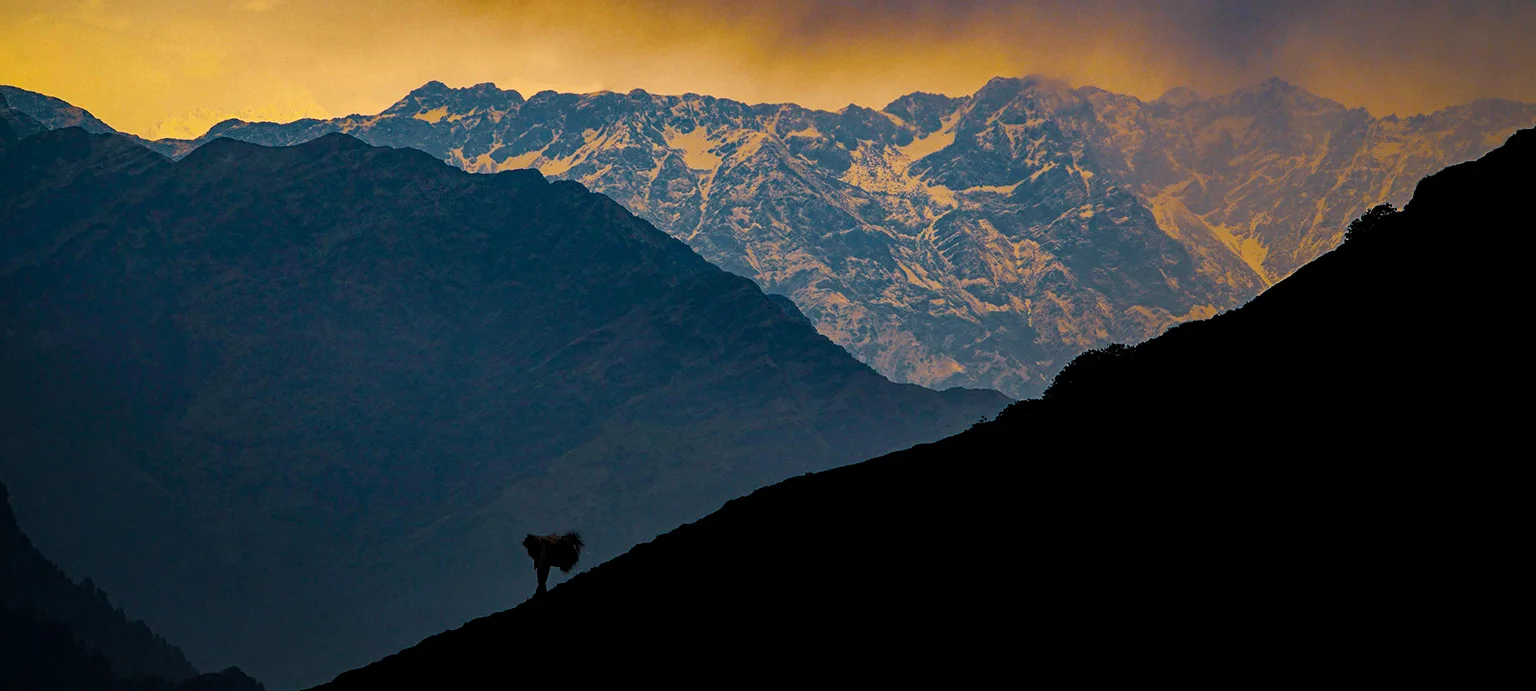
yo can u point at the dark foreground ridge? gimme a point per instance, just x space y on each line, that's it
1353 519
299 406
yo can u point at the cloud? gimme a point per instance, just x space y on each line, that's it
136 62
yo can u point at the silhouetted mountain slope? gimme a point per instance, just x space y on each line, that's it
31 583
41 656
981 240
58 634
38 655
300 405
1317 485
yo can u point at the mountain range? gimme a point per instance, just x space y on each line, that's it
298 406
321 391
1354 514
979 241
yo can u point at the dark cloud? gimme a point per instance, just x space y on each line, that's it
137 62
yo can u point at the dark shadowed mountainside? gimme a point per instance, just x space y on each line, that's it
59 634
299 406
38 654
32 584
1320 484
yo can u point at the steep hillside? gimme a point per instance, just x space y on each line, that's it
1350 512
979 241
30 583
59 634
298 406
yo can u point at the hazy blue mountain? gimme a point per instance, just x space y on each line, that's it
56 633
30 583
1351 512
981 240
299 406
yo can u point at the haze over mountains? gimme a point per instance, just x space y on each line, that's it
977 241
1360 523
56 633
297 407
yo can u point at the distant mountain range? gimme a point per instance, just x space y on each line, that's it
977 241
299 406
56 633
1351 510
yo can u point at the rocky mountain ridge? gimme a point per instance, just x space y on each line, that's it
981 240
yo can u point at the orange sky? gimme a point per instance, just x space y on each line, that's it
174 67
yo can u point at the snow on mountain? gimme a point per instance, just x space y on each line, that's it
977 241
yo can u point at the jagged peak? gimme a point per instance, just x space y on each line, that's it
1002 82
1278 86
1180 96
436 94
1276 83
1031 93
432 87
925 97
1034 85
599 95
1278 91
1040 82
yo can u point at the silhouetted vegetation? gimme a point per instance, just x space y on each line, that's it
1369 221
44 656
40 655
57 634
30 582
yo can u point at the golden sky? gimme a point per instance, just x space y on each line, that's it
174 67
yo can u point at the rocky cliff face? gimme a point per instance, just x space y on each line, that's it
1274 173
979 241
